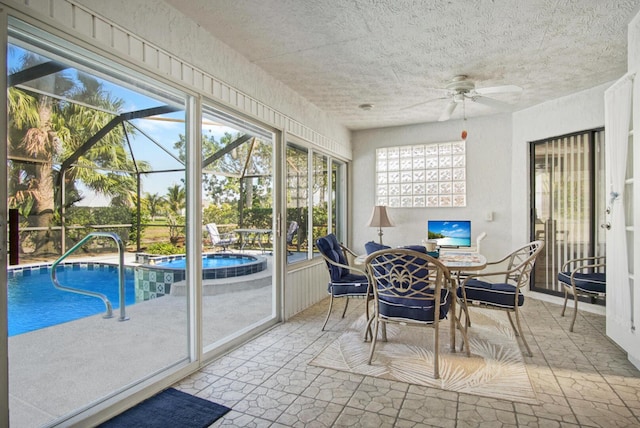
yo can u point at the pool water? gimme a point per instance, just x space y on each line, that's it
211 262
34 303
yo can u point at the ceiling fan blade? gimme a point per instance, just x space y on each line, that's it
423 102
491 102
446 114
498 89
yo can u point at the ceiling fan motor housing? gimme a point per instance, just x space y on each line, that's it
461 85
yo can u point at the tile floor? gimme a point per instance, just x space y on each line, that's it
581 379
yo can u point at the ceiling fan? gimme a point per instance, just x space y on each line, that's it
460 88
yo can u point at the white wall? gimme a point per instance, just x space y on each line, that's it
488 182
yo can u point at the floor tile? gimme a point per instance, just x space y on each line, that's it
307 412
581 379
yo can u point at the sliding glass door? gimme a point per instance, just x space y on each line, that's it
96 185
567 200
145 228
239 229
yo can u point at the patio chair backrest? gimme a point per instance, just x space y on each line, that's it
212 228
293 228
521 261
403 277
330 249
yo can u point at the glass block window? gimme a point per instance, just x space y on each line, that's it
425 175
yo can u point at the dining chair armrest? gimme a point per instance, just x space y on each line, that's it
465 273
358 270
344 266
504 273
596 261
586 267
347 250
502 260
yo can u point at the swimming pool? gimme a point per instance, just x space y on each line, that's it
34 303
214 266
209 262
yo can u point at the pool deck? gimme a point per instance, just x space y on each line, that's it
60 368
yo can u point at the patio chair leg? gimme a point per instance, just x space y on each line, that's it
373 340
436 348
513 326
367 331
465 339
463 306
346 305
328 313
467 318
575 310
526 345
566 297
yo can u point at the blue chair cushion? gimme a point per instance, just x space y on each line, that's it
501 295
413 310
349 285
330 247
372 247
418 248
595 282
423 249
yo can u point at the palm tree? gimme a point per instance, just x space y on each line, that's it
154 204
176 199
33 136
175 202
43 131
109 154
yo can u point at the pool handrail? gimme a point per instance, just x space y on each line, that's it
121 283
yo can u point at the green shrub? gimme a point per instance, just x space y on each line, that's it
164 249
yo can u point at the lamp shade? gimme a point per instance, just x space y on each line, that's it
379 217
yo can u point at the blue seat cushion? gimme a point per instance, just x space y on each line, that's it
372 247
413 310
330 247
422 249
418 248
349 285
595 282
500 295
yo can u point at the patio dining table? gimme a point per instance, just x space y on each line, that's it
252 234
458 262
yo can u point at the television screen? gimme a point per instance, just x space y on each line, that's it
450 233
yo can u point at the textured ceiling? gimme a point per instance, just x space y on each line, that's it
339 54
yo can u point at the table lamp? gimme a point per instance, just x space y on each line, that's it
380 218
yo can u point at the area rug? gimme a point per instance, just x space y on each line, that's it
495 368
170 408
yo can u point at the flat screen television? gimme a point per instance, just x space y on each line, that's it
450 233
